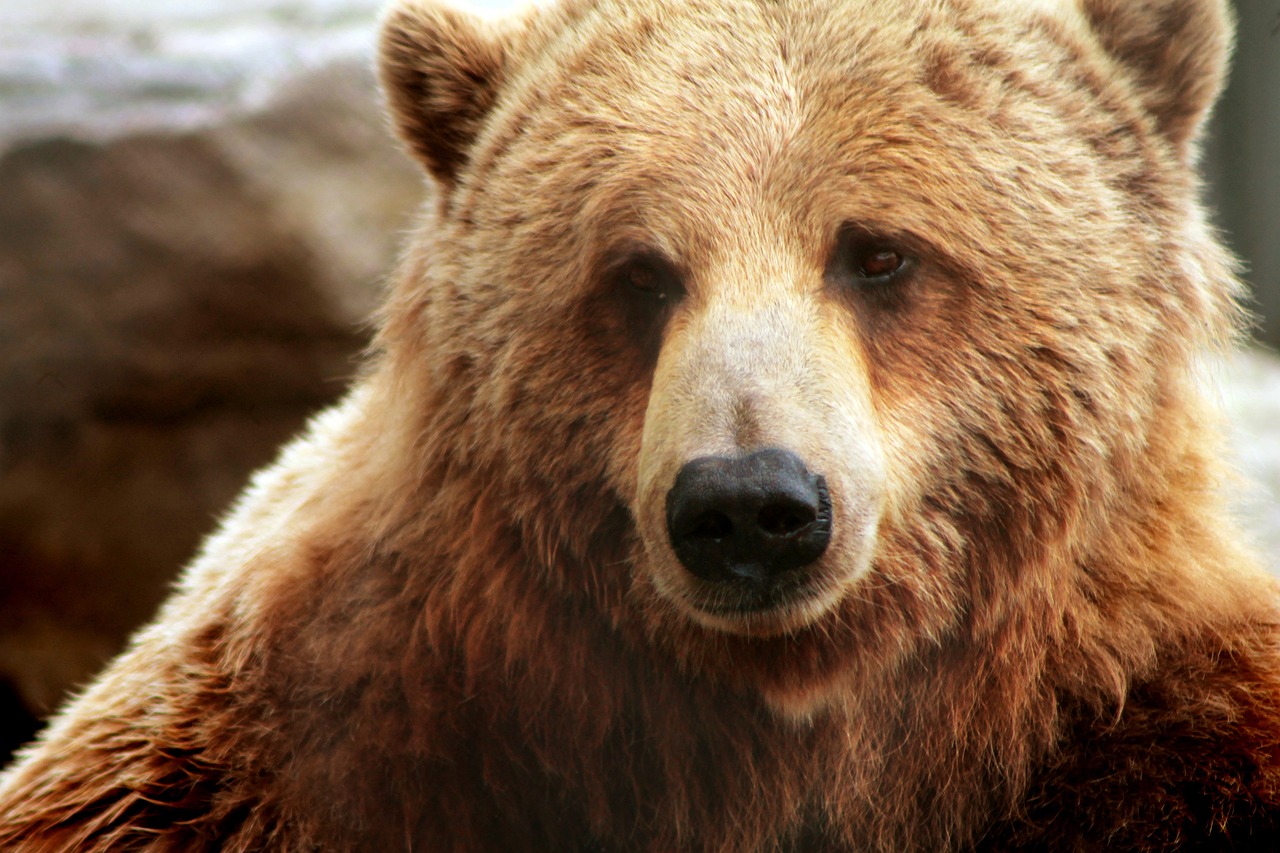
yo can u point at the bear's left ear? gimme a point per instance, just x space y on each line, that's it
441 70
1176 52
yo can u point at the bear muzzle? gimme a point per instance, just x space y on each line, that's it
749 524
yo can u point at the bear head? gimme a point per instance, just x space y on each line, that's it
798 334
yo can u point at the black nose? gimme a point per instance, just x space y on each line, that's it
749 517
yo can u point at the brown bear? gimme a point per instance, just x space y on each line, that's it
783 435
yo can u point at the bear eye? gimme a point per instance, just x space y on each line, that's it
864 260
879 262
649 275
644 278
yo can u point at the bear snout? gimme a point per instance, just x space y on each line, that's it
753 521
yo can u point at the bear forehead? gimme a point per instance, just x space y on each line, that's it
695 54
694 80
769 110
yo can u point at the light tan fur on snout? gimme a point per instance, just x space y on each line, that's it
760 358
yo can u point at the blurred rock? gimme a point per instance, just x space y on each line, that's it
196 209
94 68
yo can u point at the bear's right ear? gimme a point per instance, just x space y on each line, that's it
441 70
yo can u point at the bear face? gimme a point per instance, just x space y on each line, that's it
946 259
803 144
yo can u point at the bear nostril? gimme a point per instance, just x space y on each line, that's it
785 519
748 518
710 525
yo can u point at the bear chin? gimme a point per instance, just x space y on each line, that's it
782 615
781 619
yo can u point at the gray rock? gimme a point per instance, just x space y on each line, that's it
93 68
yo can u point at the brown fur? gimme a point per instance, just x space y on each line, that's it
448 619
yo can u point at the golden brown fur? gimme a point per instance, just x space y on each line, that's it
447 618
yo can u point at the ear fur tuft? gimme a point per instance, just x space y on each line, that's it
1176 52
441 71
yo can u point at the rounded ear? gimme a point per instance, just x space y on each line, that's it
1176 52
441 70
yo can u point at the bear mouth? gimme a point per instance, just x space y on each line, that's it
752 598
787 605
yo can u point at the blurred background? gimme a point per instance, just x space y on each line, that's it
198 203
